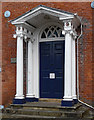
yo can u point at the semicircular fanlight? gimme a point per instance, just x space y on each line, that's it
52 32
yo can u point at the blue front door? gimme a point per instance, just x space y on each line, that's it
52 69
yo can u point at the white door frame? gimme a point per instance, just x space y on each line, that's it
36 55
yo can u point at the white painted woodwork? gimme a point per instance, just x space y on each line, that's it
19 75
68 67
33 50
36 66
30 80
73 70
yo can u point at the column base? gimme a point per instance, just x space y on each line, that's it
28 99
75 101
67 103
19 101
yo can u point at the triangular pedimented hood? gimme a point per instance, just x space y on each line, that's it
43 14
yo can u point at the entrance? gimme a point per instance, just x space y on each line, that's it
52 69
46 68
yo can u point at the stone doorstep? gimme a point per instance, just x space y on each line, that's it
90 116
58 113
42 112
45 105
45 113
50 100
46 109
34 117
92 113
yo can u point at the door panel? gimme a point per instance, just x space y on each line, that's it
52 69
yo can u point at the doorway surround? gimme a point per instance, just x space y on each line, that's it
28 27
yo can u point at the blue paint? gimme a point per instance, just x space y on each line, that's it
67 103
52 61
75 101
19 101
31 99
23 101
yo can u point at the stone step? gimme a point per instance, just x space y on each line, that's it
34 117
84 110
89 115
88 118
50 100
34 112
46 106
49 110
78 114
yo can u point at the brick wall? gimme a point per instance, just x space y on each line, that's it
93 57
86 69
0 53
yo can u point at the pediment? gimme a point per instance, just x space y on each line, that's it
43 14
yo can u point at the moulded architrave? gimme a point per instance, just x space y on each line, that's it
35 62
36 54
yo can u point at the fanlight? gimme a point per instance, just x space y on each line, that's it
52 32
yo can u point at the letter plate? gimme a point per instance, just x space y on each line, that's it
52 75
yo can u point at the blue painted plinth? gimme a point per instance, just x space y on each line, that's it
31 99
19 101
75 101
67 103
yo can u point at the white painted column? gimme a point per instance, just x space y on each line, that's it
73 70
68 68
68 32
70 64
19 76
30 82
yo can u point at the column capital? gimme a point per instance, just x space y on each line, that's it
69 29
68 25
32 39
23 33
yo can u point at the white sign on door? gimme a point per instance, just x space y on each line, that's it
52 75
